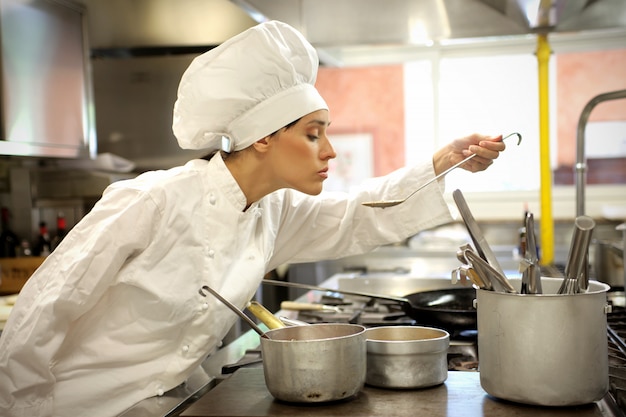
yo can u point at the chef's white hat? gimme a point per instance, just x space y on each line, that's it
247 88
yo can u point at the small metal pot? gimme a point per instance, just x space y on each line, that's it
544 349
406 356
315 363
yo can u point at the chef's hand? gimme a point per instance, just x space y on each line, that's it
486 148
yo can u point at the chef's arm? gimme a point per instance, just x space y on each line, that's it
338 225
67 284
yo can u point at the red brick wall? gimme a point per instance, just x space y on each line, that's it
371 100
580 77
368 100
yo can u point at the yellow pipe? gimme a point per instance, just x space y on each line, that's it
547 223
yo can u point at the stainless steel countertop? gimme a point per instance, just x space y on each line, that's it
245 394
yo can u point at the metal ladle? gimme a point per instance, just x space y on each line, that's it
234 309
391 203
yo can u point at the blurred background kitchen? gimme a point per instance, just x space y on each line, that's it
88 89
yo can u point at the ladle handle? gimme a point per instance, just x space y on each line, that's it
234 309
265 315
579 250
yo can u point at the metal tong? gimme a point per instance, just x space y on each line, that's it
467 270
490 278
529 266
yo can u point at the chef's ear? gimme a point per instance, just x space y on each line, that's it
262 145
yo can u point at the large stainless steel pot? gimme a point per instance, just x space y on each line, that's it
544 349
406 356
608 262
315 363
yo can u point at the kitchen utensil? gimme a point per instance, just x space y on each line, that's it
531 278
293 305
468 272
451 309
315 363
406 356
498 280
586 224
263 314
544 349
234 309
391 203
479 280
576 279
292 322
480 243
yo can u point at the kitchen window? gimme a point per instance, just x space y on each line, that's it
449 93
478 94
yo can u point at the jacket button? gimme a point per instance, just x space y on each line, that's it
205 306
186 348
211 253
212 199
160 392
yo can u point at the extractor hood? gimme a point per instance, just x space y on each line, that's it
329 23
166 25
335 25
340 27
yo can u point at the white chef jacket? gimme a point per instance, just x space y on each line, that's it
114 316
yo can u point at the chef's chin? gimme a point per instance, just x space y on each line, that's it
312 190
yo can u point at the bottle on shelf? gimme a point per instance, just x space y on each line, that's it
9 242
43 245
61 231
25 249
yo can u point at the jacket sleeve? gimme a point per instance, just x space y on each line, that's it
335 225
66 285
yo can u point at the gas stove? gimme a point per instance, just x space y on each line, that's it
373 312
617 356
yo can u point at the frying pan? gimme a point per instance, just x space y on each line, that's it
451 309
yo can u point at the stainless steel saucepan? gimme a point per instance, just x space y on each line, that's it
310 364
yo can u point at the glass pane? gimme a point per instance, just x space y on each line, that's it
491 94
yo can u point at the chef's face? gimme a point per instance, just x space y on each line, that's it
301 153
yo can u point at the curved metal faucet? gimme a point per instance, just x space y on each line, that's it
581 165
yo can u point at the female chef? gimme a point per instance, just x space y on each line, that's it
114 314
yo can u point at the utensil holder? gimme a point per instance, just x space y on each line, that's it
544 349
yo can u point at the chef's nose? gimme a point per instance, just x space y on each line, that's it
327 151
